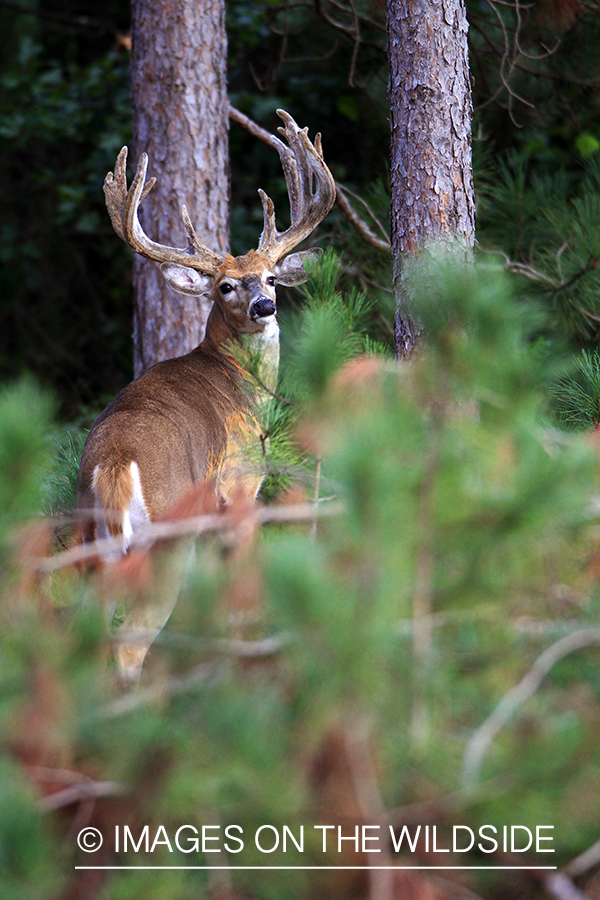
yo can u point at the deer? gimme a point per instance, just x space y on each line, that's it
194 420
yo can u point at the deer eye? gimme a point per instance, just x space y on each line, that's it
271 280
226 288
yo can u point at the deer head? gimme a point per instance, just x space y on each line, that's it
243 288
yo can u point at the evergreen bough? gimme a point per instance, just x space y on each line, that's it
461 547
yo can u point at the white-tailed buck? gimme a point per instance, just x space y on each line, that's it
189 420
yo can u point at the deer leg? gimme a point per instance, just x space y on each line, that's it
120 487
152 612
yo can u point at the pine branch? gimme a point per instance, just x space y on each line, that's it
556 287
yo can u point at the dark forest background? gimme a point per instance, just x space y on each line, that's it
65 284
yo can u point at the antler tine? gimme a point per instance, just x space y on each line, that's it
195 246
115 192
123 205
295 163
302 163
269 229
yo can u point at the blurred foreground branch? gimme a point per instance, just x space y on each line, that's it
194 525
79 787
511 701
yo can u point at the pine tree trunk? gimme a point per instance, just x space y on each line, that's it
181 119
430 107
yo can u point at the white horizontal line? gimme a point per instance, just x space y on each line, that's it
300 868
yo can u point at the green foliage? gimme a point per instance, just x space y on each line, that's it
26 850
329 330
548 226
61 124
578 393
377 642
25 417
465 549
65 450
65 310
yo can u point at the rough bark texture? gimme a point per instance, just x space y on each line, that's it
430 116
181 119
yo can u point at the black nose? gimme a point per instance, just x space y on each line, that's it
262 307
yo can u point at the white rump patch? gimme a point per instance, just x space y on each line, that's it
135 516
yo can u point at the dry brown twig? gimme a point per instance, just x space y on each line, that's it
506 709
366 786
79 788
194 525
585 861
560 886
510 53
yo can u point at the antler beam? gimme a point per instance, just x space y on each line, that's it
302 164
123 205
303 168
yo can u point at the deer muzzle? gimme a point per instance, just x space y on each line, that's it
262 308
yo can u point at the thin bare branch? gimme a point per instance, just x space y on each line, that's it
590 266
368 795
234 647
359 16
446 806
510 54
72 23
171 687
195 525
585 861
511 702
359 224
384 231
560 886
350 30
80 792
531 273
527 270
249 125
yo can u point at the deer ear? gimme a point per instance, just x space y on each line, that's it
291 269
185 280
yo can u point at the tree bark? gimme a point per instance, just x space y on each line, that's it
430 117
181 119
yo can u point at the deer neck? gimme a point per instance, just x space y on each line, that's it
219 335
265 345
221 340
